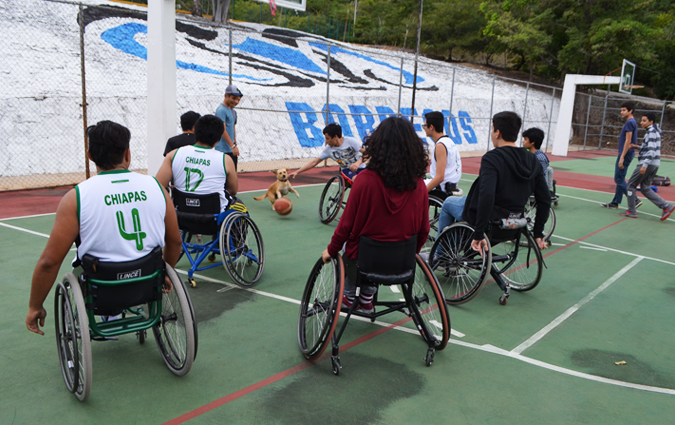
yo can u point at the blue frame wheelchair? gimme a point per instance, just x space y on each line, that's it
235 237
132 289
379 263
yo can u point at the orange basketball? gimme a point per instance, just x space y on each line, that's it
283 206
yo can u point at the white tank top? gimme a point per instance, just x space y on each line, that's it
453 165
121 215
200 170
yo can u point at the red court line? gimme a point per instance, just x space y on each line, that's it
279 376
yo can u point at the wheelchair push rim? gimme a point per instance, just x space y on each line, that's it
175 332
461 271
331 199
320 307
241 247
72 337
524 267
435 205
429 310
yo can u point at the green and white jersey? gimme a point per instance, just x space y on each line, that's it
200 170
121 215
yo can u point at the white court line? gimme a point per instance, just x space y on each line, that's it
595 202
558 320
591 247
487 348
615 250
24 230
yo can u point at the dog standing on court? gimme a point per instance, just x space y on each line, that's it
279 188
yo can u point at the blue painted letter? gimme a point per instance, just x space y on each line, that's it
465 122
364 121
300 126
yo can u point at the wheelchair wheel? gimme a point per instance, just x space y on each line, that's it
435 205
72 337
241 247
320 307
460 270
175 332
331 199
428 308
523 263
530 214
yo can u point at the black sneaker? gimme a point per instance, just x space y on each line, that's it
610 205
638 204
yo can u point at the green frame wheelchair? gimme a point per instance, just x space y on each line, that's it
132 289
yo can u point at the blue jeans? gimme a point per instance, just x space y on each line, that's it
620 179
452 210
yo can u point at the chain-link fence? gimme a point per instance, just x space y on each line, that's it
597 123
69 65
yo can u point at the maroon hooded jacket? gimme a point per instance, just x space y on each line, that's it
381 213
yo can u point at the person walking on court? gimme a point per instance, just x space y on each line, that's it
625 155
226 112
187 138
649 159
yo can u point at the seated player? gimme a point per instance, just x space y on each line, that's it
508 176
446 164
117 215
187 138
346 151
532 140
388 202
200 168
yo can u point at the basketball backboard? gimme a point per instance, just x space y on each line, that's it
627 76
290 4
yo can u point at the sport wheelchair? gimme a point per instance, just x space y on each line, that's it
333 197
381 263
134 290
530 214
513 259
237 238
436 199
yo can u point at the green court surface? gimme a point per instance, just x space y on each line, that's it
604 166
548 357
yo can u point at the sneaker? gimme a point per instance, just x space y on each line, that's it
667 211
610 205
629 214
638 204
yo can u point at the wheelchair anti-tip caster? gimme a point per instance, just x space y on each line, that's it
504 299
429 359
141 336
192 282
212 257
336 365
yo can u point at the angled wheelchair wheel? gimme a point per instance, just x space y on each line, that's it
320 307
175 332
331 199
72 337
530 214
241 247
428 307
460 270
435 205
519 261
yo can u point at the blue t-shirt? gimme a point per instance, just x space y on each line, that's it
631 125
230 119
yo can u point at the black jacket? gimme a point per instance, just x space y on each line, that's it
508 176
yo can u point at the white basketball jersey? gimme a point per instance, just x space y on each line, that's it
121 215
200 170
453 165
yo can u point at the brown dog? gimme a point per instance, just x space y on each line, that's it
279 188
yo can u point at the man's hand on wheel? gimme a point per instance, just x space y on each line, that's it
480 246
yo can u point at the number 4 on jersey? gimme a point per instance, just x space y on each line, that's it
137 235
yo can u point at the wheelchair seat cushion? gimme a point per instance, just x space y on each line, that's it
386 263
113 295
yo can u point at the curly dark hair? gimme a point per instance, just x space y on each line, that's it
396 154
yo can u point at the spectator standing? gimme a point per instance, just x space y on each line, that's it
226 112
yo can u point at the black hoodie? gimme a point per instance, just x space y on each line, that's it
508 176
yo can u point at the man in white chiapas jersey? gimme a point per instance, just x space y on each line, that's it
200 168
119 216
446 164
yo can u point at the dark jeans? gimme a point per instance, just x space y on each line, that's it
620 178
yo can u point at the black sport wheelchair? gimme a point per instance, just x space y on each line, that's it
513 260
333 196
436 198
531 213
232 234
378 263
133 290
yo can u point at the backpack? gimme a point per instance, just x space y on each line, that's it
661 181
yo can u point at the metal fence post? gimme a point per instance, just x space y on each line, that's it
328 85
588 116
452 91
230 55
602 126
663 113
527 93
550 118
84 92
492 102
400 88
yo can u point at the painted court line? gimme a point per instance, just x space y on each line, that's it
593 248
560 319
24 230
